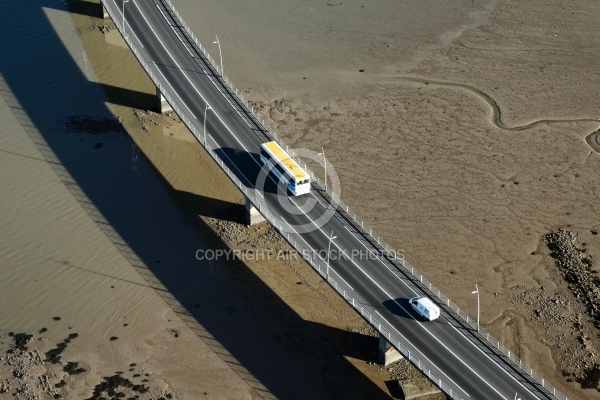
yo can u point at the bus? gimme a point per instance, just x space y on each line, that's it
285 168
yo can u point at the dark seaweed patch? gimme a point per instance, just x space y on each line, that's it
95 125
72 368
21 340
110 384
54 355
590 378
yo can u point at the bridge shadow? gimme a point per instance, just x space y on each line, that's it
156 228
395 389
197 204
91 9
129 97
351 344
238 160
392 305
253 171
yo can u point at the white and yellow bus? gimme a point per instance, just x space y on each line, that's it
285 168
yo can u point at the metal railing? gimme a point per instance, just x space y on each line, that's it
366 231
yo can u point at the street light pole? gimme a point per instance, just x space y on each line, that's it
205 112
220 54
329 250
478 309
123 12
322 153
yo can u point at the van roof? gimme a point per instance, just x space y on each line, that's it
427 303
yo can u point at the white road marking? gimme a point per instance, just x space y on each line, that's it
174 31
225 95
421 354
352 233
174 91
399 305
193 86
456 329
339 276
331 268
202 97
130 30
227 127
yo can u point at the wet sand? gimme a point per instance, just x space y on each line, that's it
101 225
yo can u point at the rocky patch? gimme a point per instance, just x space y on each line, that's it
569 315
574 265
26 375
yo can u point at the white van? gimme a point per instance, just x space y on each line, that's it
425 307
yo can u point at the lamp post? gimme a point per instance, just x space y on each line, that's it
123 12
205 112
478 309
329 250
220 54
322 153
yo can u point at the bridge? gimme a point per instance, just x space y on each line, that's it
457 354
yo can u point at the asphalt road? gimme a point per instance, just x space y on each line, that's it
447 346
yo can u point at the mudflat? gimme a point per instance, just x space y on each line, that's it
465 134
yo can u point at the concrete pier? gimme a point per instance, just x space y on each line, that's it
253 217
104 12
163 104
387 354
417 388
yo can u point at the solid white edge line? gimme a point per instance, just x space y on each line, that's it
193 86
168 83
459 332
225 125
399 305
202 97
421 354
300 236
206 72
125 27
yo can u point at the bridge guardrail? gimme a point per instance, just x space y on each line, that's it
367 231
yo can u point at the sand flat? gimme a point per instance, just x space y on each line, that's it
472 195
107 221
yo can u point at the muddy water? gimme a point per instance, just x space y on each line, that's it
44 255
88 225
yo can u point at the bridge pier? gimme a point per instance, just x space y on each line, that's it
104 12
387 353
253 217
163 104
